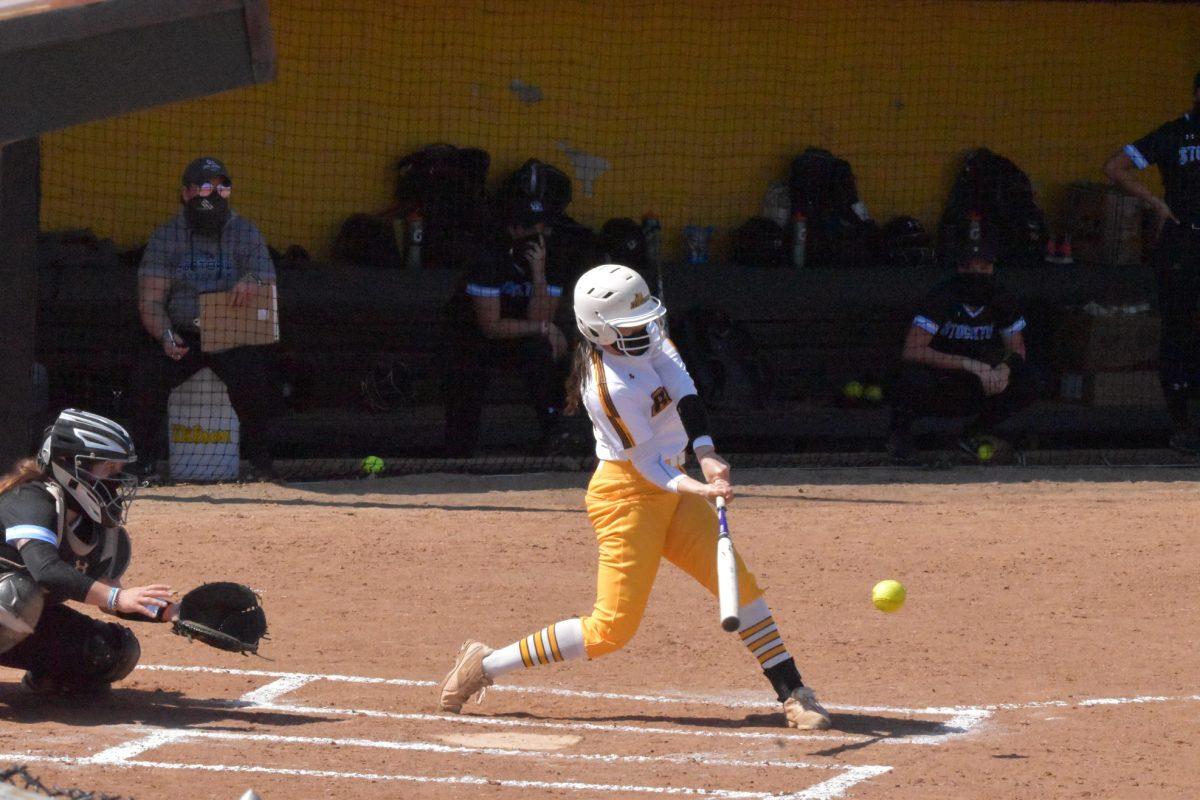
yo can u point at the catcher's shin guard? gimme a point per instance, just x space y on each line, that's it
465 678
21 602
804 712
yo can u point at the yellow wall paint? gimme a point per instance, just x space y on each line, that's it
696 104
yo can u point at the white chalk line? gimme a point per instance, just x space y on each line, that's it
697 759
962 718
1095 701
574 725
469 780
123 755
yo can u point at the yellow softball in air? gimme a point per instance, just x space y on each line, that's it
888 596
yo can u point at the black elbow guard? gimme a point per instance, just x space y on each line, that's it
694 417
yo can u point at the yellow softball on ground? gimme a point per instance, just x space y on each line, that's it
372 465
873 393
985 452
888 596
853 390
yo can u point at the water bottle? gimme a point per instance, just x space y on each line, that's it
414 236
697 237
652 232
799 240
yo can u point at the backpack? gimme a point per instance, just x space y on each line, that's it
840 232
759 242
446 185
723 359
623 242
573 249
995 188
539 180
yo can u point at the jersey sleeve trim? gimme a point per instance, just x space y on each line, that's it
1136 157
18 532
606 401
925 324
479 290
1016 327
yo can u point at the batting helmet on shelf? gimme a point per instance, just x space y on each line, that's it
907 244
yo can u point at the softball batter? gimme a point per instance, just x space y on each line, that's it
644 412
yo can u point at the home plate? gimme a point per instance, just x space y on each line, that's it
510 740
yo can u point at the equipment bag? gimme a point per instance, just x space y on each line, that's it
993 187
840 231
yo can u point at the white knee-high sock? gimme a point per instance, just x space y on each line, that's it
759 634
561 641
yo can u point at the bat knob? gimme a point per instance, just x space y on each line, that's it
730 624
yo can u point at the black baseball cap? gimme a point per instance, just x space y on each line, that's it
981 241
203 169
523 211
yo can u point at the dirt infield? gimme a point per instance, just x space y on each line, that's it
1049 647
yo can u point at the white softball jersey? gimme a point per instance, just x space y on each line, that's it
631 403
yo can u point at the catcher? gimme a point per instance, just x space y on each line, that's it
63 513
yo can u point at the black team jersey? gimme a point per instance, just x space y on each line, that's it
505 276
28 511
963 329
1174 147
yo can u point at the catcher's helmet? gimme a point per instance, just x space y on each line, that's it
907 244
74 445
614 307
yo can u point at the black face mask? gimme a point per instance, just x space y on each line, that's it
976 289
207 215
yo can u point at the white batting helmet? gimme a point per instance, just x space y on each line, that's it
614 307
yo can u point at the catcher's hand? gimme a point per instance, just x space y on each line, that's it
223 615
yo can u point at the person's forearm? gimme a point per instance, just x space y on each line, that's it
1127 180
154 317
936 358
541 305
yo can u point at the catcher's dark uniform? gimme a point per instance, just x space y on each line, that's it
66 645
470 357
1175 149
973 331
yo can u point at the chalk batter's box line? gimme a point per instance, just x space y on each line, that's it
961 719
126 755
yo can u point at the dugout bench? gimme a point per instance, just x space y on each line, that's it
816 330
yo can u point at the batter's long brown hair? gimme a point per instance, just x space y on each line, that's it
24 471
580 362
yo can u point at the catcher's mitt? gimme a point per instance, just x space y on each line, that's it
223 615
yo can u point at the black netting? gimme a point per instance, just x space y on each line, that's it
30 786
385 183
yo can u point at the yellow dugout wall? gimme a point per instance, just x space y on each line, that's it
686 108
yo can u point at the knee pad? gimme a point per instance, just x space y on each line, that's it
110 653
21 603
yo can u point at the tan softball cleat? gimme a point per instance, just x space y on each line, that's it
466 677
804 712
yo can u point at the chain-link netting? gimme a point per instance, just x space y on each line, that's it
17 783
794 178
